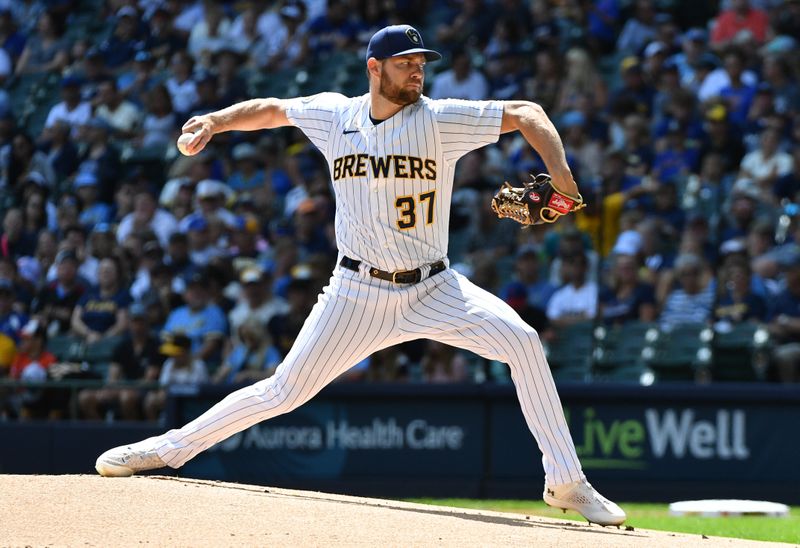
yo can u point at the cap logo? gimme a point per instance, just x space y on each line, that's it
414 36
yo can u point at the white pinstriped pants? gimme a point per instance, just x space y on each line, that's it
357 315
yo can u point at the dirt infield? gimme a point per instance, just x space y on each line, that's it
166 511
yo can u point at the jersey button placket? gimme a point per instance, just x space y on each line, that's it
372 146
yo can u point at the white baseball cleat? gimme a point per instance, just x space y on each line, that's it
584 499
126 460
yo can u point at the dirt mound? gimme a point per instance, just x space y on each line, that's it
166 511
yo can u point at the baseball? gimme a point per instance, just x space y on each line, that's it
183 140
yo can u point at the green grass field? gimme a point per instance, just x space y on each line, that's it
654 516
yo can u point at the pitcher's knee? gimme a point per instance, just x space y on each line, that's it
277 394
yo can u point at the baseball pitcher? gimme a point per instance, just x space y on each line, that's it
391 155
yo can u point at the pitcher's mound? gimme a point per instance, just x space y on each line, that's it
166 511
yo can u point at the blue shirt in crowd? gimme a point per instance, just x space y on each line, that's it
100 313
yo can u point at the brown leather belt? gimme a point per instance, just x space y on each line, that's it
399 277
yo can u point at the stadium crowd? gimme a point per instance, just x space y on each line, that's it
681 122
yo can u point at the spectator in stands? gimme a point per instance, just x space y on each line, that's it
102 241
576 301
159 125
741 210
136 361
73 238
21 160
102 312
14 242
625 298
506 35
787 187
284 328
72 109
468 23
121 115
740 23
546 85
528 270
784 322
208 99
46 50
767 163
694 43
736 301
564 243
55 302
178 257
252 356
248 27
692 299
665 206
31 364
737 94
256 299
202 247
443 363
93 212
287 43
462 81
182 88
209 35
204 323
722 138
181 368
309 228
581 79
11 321
37 213
62 154
100 156
88 67
333 31
232 87
634 95
11 39
152 257
639 30
147 216
133 85
733 74
777 74
245 238
162 39
122 45
248 172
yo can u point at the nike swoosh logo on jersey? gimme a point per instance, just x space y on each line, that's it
345 132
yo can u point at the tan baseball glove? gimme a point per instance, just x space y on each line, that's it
534 203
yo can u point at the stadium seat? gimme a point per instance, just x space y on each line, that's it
676 354
618 351
67 348
740 352
570 354
101 351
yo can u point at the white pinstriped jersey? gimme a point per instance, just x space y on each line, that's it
393 181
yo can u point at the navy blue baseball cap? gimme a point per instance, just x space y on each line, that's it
396 40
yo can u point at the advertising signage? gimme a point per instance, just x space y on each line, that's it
478 435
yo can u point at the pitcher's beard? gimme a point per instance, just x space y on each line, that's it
396 94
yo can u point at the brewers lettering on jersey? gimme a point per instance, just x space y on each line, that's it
391 155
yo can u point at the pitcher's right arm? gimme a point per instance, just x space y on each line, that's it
250 115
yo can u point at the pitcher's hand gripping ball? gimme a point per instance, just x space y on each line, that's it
183 141
534 203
